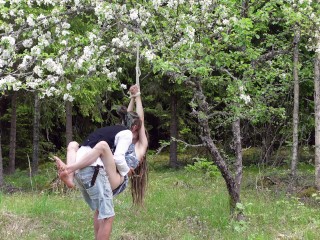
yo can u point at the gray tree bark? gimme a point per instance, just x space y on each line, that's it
317 114
36 135
295 137
173 162
13 134
68 122
1 163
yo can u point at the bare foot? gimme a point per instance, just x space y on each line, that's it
63 172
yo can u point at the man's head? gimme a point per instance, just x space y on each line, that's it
130 119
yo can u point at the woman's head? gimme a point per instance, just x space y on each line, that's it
130 119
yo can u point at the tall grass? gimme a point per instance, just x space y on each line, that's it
179 205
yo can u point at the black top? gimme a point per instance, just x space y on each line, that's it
107 134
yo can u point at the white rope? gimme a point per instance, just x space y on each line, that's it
138 73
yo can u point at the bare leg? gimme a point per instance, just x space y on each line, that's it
96 224
102 150
64 174
104 227
110 167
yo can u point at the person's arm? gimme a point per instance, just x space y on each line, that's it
122 143
143 140
131 105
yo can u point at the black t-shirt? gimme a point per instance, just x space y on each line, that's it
103 134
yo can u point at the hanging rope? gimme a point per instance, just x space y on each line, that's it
138 73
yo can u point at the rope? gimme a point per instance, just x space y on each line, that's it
138 72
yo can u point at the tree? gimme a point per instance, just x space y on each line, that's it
295 138
13 133
36 137
1 162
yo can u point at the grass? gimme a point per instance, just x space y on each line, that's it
179 205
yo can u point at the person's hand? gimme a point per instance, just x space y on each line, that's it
134 91
131 172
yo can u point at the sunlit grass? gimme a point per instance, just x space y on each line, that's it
179 205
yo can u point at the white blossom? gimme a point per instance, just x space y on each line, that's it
8 39
68 97
246 98
25 62
35 51
112 75
65 25
69 86
64 42
156 3
38 70
149 55
134 14
30 20
52 79
27 43
123 86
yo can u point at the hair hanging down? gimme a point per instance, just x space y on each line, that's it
129 119
139 182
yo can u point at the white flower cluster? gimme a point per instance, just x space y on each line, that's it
187 38
141 16
8 82
122 40
33 83
246 98
156 4
68 97
87 55
30 20
149 55
104 12
26 62
7 51
8 39
27 43
53 67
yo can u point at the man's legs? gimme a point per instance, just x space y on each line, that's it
102 227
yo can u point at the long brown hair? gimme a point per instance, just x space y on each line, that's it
139 182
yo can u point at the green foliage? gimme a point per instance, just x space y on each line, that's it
204 166
21 178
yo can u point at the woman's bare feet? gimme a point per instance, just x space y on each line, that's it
63 172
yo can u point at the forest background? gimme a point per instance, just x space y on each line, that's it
233 83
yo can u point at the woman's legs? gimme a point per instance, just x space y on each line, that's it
64 175
102 150
110 167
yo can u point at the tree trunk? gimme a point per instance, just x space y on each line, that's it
36 137
68 122
1 163
317 117
13 134
295 137
238 150
173 132
212 148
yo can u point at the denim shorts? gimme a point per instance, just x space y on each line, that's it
122 186
99 196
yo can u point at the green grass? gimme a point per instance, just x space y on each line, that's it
179 205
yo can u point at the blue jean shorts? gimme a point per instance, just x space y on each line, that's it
99 196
